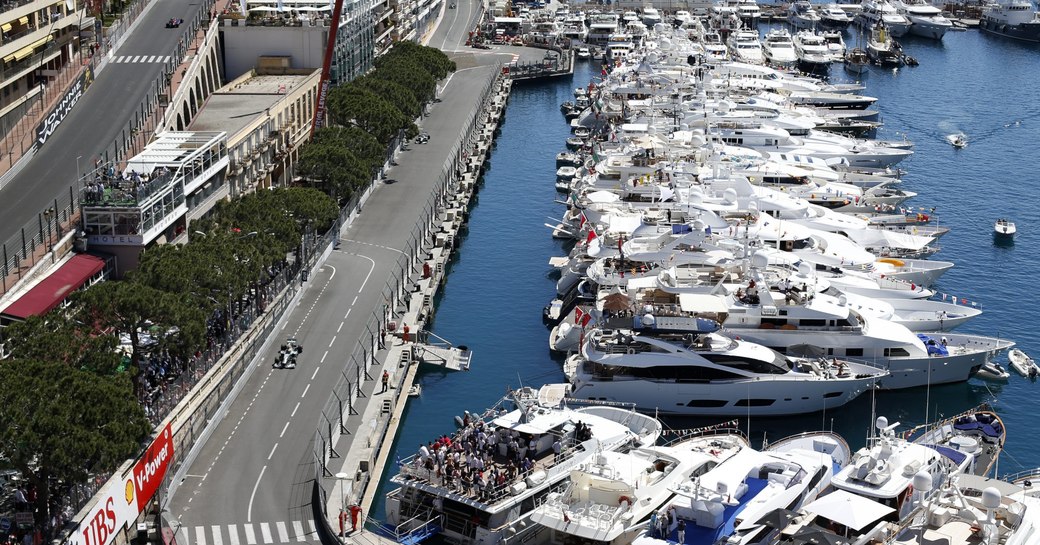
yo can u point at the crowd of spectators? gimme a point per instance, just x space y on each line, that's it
481 461
128 186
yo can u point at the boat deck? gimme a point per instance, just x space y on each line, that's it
700 534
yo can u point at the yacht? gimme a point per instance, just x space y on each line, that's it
972 440
1011 18
682 17
880 11
709 374
835 43
601 27
926 20
802 14
832 16
778 48
745 46
618 47
876 494
882 49
715 49
651 16
611 498
736 502
813 53
493 506
748 12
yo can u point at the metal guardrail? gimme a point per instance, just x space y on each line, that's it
396 293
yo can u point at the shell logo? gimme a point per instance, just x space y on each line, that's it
129 492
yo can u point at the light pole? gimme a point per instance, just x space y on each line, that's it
79 173
342 478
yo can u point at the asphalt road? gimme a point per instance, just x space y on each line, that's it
251 482
99 117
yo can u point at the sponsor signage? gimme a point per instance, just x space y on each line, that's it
151 468
122 500
50 123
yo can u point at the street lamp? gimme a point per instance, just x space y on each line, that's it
79 173
342 477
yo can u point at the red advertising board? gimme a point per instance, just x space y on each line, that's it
150 469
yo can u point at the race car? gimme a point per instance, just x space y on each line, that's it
174 23
286 358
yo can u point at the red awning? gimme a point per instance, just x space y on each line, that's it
55 288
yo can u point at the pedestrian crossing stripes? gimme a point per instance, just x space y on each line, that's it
260 533
141 59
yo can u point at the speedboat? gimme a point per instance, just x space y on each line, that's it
489 499
1004 228
583 53
610 499
708 374
958 141
993 371
1023 364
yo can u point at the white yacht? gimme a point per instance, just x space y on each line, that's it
475 506
832 16
651 16
709 374
715 49
778 48
880 11
745 46
619 45
748 12
926 20
812 50
882 49
601 27
1016 19
835 43
802 14
610 499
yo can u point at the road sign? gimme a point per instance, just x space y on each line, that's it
5 524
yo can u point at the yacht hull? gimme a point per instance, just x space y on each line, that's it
1029 32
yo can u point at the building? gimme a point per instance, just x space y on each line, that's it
267 116
178 177
74 272
298 30
37 38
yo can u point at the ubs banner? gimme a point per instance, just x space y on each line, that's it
50 123
123 499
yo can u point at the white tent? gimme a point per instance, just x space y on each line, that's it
849 509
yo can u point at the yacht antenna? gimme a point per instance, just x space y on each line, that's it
928 388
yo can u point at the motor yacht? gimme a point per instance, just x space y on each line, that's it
492 505
745 46
619 45
926 20
882 49
778 48
835 44
611 498
880 11
812 50
803 15
708 374
651 16
832 16
1016 19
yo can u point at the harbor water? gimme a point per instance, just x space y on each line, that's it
970 82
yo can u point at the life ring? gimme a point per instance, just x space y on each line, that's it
623 500
630 352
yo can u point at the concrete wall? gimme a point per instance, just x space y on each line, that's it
243 44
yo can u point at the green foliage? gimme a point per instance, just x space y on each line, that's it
334 167
352 105
61 424
408 73
57 338
401 97
433 60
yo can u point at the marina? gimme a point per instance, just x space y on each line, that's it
511 193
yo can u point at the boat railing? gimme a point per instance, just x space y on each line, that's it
1033 473
424 524
731 427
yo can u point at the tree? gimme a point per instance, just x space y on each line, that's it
59 338
128 307
401 97
62 425
433 60
333 165
409 74
351 105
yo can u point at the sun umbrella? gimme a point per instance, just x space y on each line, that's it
616 302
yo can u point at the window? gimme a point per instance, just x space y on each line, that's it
754 402
829 395
896 352
812 323
707 403
854 352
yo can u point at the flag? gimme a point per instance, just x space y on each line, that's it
620 250
583 220
585 320
578 314
592 236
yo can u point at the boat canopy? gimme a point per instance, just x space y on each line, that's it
703 303
849 509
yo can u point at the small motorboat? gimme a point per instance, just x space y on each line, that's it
1023 364
415 390
993 371
584 53
575 143
1004 228
958 141
582 132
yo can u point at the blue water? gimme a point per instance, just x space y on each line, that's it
970 82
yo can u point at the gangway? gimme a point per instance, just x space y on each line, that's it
437 351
